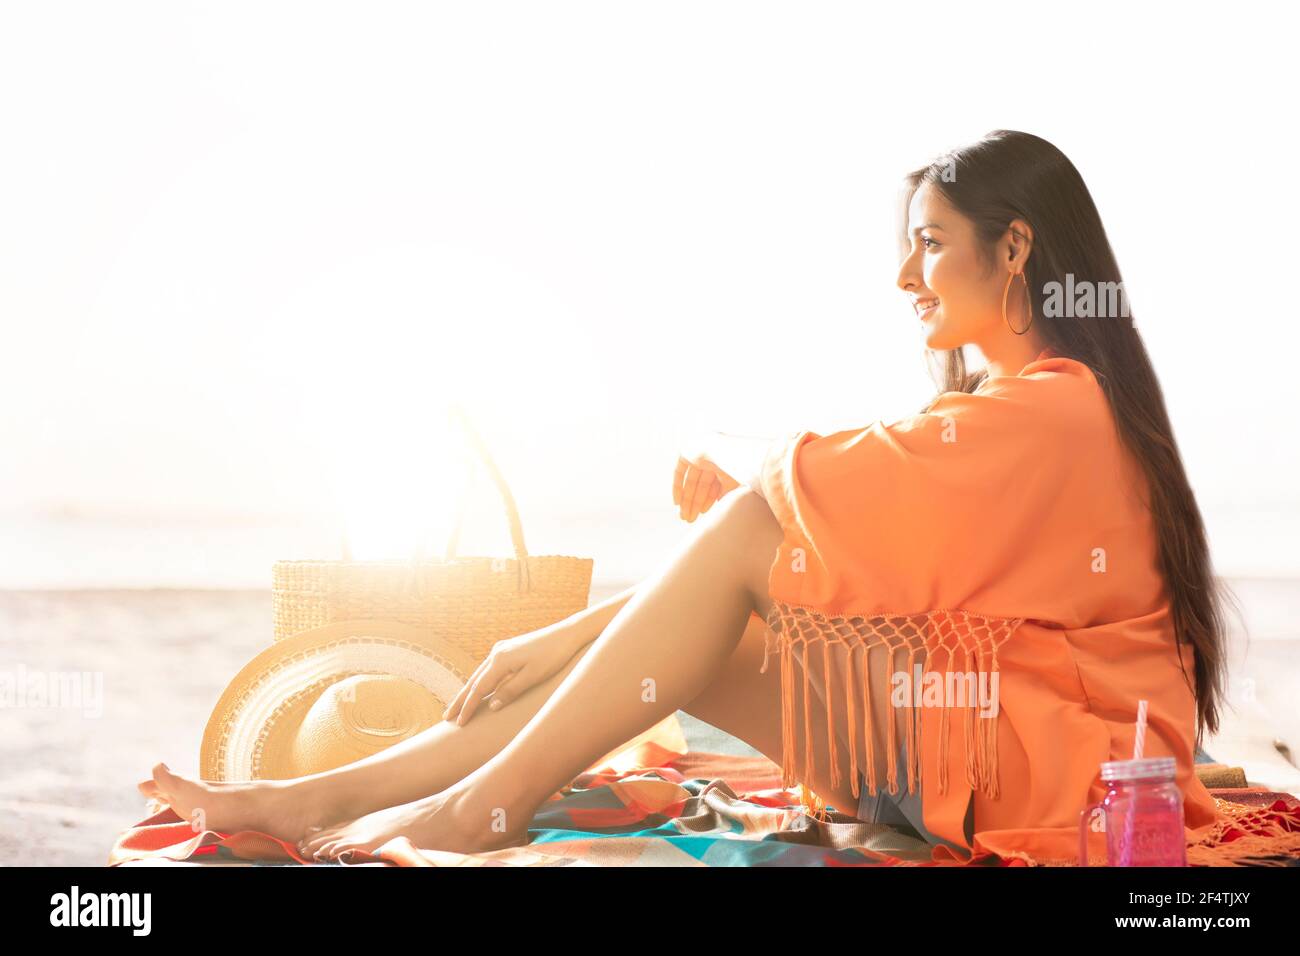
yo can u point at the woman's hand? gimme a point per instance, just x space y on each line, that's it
511 667
697 483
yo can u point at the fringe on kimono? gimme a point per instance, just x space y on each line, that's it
954 642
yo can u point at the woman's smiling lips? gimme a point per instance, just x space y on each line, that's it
925 306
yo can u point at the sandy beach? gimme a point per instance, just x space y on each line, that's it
68 773
68 784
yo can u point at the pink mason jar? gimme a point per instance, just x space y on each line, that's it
1141 814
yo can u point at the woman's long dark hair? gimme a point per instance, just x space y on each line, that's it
1010 175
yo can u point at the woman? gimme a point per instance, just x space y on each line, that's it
1030 537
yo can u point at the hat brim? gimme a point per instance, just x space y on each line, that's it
247 736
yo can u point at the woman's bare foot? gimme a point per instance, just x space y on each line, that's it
284 809
453 819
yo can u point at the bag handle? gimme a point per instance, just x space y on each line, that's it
507 499
524 582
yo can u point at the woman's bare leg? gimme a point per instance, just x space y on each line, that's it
739 700
666 645
418 766
437 757
747 705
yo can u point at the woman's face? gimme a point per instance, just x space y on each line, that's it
955 294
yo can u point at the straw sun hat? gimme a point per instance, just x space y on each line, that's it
328 696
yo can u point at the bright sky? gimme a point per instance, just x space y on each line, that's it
248 251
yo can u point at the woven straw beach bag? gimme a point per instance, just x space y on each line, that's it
470 602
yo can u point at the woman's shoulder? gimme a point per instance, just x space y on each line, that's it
1049 374
1051 395
1060 372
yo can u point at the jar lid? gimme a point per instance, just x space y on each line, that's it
1149 768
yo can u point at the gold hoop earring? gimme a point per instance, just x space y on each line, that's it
1029 306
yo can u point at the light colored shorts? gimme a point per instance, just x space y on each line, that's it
903 809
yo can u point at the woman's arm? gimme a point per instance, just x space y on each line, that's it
581 628
740 456
713 465
519 662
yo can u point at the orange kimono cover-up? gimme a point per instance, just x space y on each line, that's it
1004 531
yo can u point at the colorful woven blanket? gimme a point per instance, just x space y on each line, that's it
655 803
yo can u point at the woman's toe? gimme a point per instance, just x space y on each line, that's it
342 846
164 780
314 843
